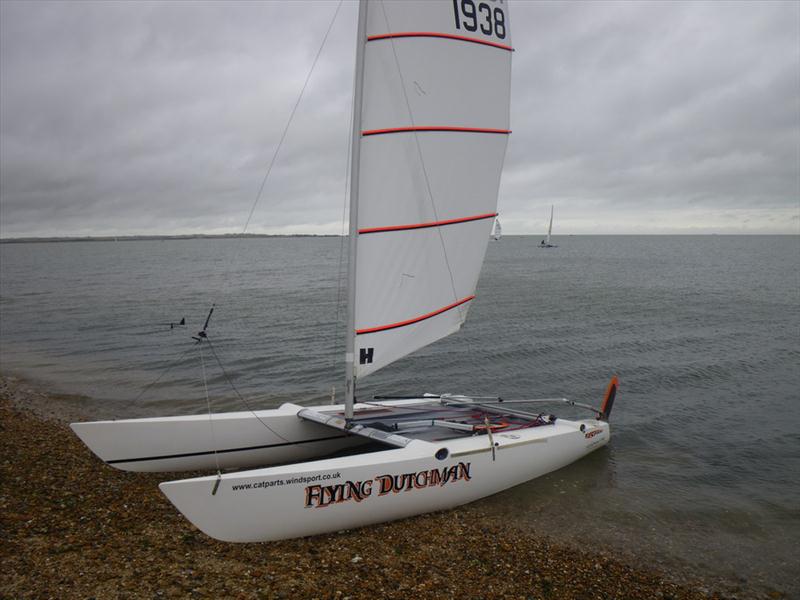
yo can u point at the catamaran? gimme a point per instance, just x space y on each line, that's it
430 129
545 243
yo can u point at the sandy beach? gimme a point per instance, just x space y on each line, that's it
75 528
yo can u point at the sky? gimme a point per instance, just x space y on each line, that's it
161 118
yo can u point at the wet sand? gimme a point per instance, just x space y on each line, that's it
76 528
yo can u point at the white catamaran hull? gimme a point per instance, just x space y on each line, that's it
340 493
232 440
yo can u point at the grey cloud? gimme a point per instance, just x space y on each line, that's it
659 106
162 117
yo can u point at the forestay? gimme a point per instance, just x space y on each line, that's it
435 125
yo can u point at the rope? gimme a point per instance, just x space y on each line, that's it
246 403
252 411
489 434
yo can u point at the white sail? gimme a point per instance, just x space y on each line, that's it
435 125
550 227
497 232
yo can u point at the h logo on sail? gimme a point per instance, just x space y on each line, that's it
365 356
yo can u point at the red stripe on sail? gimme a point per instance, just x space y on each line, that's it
425 225
434 128
433 34
415 319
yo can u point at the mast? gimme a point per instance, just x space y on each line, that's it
550 228
355 159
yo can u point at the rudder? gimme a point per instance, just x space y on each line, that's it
608 400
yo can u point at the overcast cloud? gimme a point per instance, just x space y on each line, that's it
631 117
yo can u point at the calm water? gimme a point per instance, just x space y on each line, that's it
703 472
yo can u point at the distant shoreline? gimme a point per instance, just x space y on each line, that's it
145 238
226 236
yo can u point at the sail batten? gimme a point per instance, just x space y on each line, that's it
426 225
415 319
434 131
434 34
430 128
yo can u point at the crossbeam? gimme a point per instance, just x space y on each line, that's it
341 424
434 423
468 401
459 401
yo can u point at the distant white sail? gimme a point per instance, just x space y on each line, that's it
435 122
497 231
550 227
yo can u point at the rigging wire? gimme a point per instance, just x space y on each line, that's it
291 117
244 230
246 403
273 160
210 418
260 192
238 394
183 353
162 375
339 277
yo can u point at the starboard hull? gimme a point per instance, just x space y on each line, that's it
354 491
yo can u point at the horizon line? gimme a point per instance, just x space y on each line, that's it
183 236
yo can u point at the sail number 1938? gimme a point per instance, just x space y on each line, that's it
490 20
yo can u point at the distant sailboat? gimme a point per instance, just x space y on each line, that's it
497 231
545 243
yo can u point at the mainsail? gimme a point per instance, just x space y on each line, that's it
550 227
434 130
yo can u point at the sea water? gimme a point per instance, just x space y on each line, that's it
703 472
